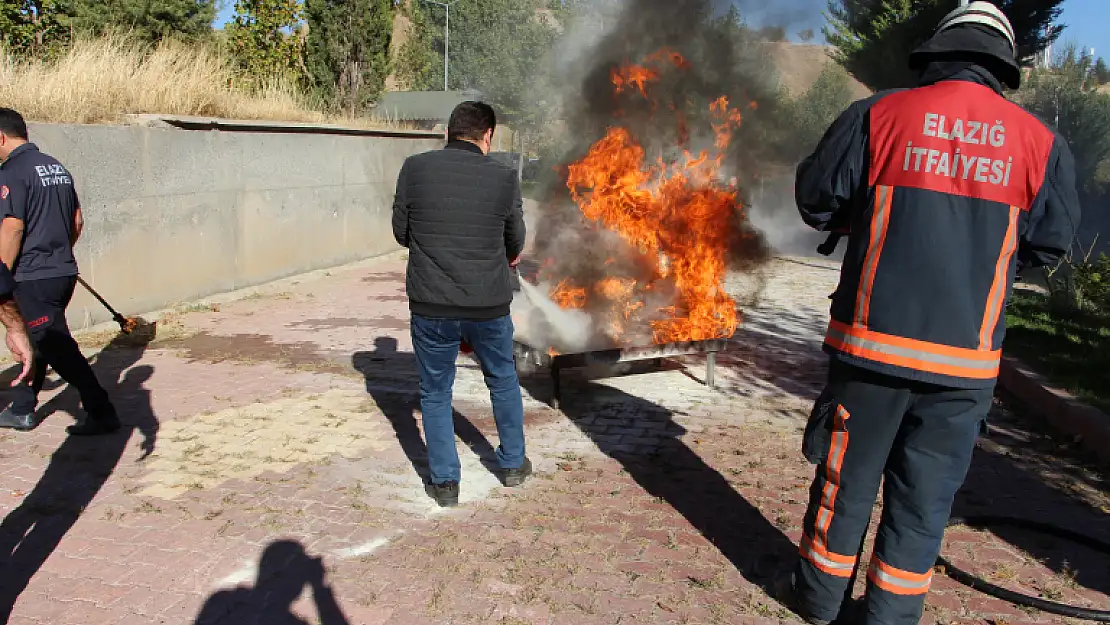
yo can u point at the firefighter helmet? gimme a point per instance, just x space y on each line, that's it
978 32
984 13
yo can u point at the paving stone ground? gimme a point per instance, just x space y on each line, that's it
270 472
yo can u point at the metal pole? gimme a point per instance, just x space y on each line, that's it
520 162
446 47
446 38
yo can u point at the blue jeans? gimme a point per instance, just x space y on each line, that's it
436 343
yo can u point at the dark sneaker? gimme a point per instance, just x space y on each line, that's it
94 427
16 421
445 494
516 477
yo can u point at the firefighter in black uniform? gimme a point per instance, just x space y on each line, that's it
41 223
944 190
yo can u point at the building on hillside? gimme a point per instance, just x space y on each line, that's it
426 110
429 110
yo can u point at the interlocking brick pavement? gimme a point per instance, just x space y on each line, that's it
270 472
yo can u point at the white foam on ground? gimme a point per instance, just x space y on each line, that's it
364 549
248 573
476 485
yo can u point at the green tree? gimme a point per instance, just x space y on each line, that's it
1066 95
149 20
347 50
264 37
806 117
415 58
873 38
34 28
1101 72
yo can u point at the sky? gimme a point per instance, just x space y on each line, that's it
1086 24
226 11
1085 20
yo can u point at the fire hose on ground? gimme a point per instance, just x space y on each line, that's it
1016 598
974 582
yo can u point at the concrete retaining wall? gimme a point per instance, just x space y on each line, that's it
176 215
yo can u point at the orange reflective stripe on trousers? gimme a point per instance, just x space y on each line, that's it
816 549
897 581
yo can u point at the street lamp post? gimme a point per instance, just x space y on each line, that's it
446 36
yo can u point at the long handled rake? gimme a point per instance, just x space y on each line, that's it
126 325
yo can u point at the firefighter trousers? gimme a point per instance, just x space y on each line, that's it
916 440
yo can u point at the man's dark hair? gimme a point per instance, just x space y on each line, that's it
12 124
470 121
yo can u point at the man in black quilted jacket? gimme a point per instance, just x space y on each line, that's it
460 214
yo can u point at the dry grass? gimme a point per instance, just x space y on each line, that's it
168 327
100 80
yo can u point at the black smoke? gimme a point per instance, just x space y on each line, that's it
725 58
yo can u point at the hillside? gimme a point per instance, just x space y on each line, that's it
799 66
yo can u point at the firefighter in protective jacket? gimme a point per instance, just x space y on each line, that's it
944 191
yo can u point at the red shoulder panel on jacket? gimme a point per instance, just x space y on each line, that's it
959 138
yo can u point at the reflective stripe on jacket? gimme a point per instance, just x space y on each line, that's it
944 188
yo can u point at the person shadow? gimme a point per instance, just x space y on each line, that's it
673 472
8 375
393 380
283 572
78 468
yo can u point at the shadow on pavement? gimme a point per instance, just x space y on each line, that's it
283 572
78 469
677 475
1019 470
393 380
777 353
8 375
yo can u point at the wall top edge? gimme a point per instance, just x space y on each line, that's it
181 122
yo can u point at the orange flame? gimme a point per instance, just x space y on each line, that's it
633 76
666 54
729 120
615 288
676 217
639 76
568 296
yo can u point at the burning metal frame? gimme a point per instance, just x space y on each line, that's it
529 358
